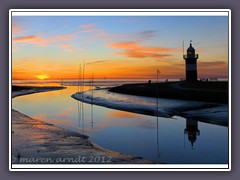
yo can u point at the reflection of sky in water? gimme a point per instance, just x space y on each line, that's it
128 132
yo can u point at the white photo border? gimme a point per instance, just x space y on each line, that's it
119 12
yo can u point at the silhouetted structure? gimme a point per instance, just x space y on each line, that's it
192 131
191 64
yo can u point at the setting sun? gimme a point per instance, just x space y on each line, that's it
42 76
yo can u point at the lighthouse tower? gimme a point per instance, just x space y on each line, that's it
191 63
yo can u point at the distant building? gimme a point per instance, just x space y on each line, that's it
191 64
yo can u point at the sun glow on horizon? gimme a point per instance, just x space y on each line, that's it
42 76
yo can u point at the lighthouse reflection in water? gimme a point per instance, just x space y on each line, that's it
191 131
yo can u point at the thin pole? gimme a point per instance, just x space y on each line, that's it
82 95
92 116
83 117
79 77
92 103
92 88
79 112
158 154
157 90
184 139
183 47
83 77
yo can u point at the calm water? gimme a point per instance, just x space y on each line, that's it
170 140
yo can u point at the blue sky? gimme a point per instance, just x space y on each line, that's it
149 42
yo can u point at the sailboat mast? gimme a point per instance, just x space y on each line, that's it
183 47
79 77
92 87
83 73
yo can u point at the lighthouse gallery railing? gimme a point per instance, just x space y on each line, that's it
185 56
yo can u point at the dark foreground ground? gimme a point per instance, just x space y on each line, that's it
198 91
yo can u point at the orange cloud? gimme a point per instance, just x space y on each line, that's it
86 30
68 48
65 45
25 39
72 50
58 38
132 49
31 40
40 41
44 41
136 54
212 64
96 62
217 69
17 29
86 26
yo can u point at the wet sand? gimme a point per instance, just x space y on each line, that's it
207 112
37 142
213 94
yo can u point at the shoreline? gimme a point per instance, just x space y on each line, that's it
49 144
212 92
34 89
212 113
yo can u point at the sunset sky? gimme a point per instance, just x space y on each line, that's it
53 47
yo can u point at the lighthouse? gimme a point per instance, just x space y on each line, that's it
191 63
